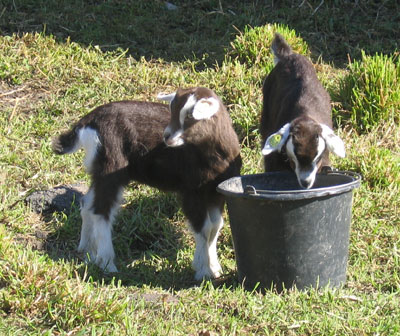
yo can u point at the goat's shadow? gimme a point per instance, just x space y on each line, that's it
147 243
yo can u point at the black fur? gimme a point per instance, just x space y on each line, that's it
293 94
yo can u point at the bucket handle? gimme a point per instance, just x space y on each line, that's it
329 170
250 190
326 170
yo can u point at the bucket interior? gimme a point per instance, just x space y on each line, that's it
284 184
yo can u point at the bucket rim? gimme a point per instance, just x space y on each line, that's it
250 192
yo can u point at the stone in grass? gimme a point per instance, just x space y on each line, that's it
58 198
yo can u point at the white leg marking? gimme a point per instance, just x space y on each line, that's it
90 141
201 259
217 221
205 261
102 242
87 223
96 237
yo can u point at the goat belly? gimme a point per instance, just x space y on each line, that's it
159 168
177 168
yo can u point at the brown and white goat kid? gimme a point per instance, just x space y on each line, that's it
188 148
296 121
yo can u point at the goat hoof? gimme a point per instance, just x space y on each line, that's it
107 267
207 274
216 271
111 269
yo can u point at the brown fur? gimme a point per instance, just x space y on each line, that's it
132 149
293 94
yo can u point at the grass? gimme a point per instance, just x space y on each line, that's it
371 91
59 59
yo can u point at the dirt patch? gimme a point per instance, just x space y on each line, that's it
59 198
20 98
43 203
37 241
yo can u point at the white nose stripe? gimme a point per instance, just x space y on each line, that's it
189 105
309 175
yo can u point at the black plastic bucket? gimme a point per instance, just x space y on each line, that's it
284 235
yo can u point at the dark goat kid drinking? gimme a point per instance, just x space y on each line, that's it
188 148
296 120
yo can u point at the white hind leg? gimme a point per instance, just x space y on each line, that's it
87 223
96 234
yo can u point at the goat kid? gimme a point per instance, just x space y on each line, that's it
188 148
296 104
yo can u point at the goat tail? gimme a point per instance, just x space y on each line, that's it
280 48
67 142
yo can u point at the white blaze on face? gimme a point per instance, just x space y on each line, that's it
188 107
305 175
198 109
174 131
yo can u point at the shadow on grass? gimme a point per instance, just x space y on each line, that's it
146 28
147 244
196 29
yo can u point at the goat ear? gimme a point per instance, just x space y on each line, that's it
277 140
333 142
169 97
205 108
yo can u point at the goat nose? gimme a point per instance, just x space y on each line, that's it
305 183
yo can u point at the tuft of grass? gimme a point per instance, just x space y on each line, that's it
252 47
370 92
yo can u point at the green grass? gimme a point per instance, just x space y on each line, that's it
60 59
252 49
371 91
